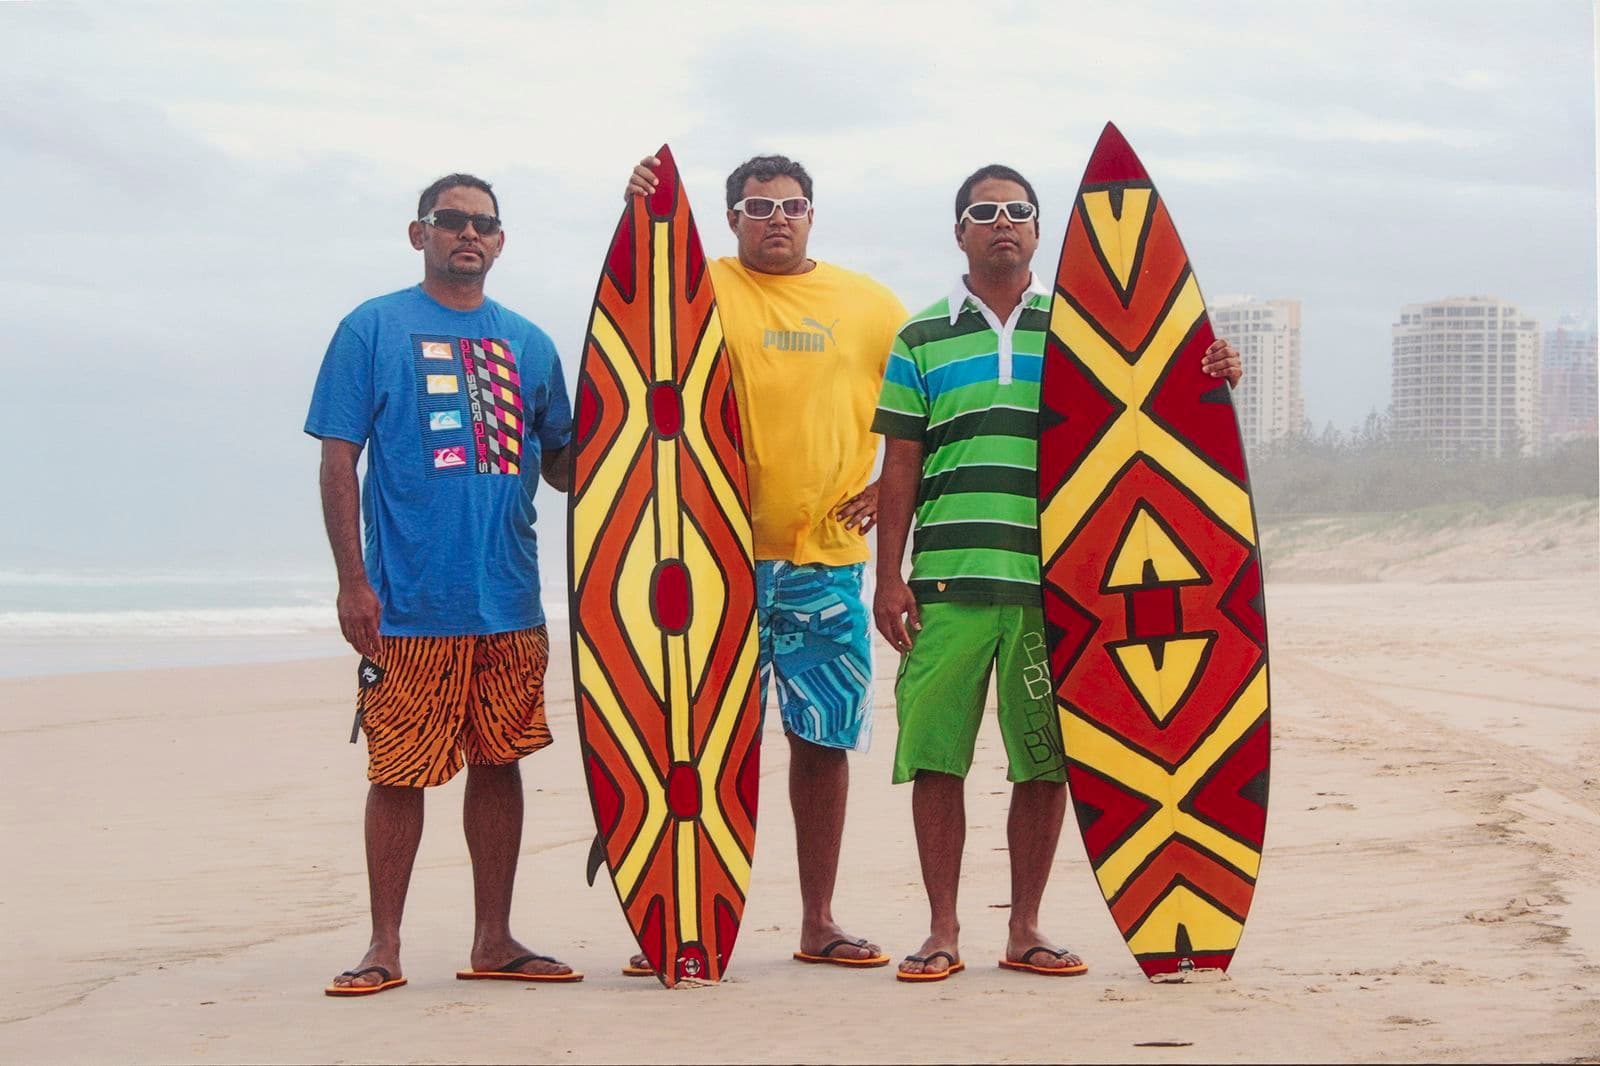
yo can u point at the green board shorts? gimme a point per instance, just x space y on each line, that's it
943 685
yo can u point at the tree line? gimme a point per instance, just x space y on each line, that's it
1369 469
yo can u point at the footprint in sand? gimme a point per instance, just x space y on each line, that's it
1516 907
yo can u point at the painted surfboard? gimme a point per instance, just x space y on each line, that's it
662 585
1151 580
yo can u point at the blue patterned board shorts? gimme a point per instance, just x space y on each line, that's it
814 644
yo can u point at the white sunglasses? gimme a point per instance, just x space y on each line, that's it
987 212
761 207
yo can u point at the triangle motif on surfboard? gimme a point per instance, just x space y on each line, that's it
1185 921
1149 554
1109 812
1116 224
1162 673
1232 797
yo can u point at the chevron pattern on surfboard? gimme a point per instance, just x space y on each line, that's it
1152 580
663 594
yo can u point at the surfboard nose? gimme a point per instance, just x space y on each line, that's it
664 200
1113 159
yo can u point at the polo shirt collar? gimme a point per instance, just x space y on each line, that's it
961 294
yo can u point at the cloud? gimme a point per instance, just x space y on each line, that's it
206 190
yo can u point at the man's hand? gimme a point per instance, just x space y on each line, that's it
894 608
860 512
359 612
359 609
643 180
1222 361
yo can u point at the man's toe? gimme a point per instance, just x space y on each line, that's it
852 949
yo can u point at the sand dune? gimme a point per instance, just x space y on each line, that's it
1535 539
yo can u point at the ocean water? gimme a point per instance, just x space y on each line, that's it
70 622
54 622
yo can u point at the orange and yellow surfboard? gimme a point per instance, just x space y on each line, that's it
663 594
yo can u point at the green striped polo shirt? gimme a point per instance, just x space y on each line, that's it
966 386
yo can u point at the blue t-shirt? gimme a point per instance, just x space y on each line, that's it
455 409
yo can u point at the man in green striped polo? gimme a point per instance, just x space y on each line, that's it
959 416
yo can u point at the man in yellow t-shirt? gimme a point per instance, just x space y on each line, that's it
808 342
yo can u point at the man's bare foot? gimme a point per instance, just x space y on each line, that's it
937 954
385 955
491 957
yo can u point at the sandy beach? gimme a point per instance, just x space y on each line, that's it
184 871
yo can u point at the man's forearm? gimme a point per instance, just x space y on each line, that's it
341 509
897 501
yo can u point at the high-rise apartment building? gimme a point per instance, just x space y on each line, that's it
1466 377
1568 391
1269 400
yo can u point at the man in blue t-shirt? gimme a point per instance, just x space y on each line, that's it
461 406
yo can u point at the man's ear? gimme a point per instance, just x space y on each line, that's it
959 234
733 222
414 231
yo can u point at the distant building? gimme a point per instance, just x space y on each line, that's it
1466 377
1568 382
1269 400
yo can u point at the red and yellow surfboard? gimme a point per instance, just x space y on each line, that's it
1152 579
663 594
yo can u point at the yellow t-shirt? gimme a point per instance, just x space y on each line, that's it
808 352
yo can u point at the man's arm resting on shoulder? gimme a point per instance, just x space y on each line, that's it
894 608
359 610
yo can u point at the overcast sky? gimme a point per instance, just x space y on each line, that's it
197 196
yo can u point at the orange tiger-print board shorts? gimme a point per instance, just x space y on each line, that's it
445 701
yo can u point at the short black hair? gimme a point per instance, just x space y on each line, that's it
765 168
430 195
993 170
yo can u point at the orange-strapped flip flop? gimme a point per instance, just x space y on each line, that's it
827 957
631 970
512 971
386 982
1049 971
955 966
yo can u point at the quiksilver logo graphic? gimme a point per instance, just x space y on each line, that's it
439 421
368 673
442 384
446 458
436 350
